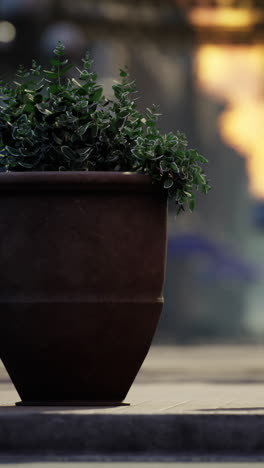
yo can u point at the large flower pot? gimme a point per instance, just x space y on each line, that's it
82 267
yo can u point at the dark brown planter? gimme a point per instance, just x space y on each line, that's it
82 268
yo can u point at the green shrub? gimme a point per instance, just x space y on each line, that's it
49 122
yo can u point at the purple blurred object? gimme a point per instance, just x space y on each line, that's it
69 33
11 8
222 263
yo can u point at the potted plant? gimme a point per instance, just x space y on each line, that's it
84 184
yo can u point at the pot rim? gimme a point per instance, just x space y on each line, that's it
76 180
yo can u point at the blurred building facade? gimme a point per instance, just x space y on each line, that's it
202 63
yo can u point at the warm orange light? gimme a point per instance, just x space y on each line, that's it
235 75
227 18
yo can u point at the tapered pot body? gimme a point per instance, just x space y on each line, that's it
82 268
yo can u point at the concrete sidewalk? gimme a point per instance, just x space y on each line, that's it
204 401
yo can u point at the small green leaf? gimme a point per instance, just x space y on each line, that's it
12 151
96 96
38 98
43 110
205 189
57 139
76 83
58 63
67 151
174 167
84 128
192 204
59 50
87 65
168 183
55 62
51 74
123 73
53 88
84 75
163 166
25 165
201 178
66 69
202 159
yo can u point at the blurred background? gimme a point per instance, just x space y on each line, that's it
202 62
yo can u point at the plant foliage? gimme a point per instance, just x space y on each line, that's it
49 122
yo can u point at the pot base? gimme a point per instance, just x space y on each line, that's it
71 403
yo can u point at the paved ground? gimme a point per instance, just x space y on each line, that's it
186 401
134 465
182 380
